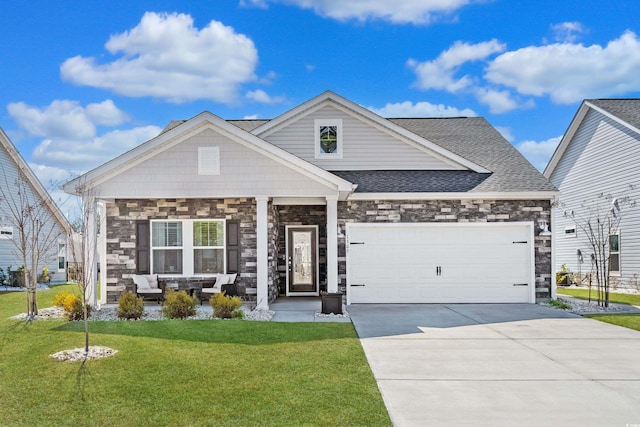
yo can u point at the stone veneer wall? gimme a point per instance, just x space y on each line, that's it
121 217
302 215
382 211
274 233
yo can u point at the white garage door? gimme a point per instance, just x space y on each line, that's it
440 263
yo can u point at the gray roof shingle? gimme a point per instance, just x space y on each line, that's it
625 109
413 181
476 140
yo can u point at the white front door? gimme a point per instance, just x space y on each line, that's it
440 263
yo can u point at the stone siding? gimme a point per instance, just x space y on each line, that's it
434 211
122 214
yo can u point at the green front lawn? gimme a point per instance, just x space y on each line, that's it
633 299
631 321
195 372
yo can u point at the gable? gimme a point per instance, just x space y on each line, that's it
364 146
602 155
185 170
11 163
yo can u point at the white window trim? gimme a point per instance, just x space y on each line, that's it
62 248
188 259
619 252
318 123
571 231
6 232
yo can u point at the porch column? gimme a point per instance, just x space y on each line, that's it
262 253
102 252
90 260
332 244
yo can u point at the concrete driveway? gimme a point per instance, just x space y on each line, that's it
500 365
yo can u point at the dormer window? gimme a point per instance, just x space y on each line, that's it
328 139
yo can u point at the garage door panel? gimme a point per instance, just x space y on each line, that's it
427 263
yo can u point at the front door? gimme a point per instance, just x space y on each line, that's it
302 260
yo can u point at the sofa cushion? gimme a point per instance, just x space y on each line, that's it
153 280
141 282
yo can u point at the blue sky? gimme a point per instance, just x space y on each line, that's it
84 81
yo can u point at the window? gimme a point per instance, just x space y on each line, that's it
6 232
208 247
188 247
328 138
166 243
62 249
614 253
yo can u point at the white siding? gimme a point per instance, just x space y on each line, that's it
602 157
364 146
244 172
9 254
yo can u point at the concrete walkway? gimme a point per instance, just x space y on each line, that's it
500 365
301 309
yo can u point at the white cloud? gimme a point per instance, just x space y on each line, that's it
570 72
65 118
499 101
567 32
440 73
394 11
539 153
421 109
166 57
79 155
506 133
263 97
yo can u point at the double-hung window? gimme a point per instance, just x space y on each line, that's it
166 243
188 247
614 253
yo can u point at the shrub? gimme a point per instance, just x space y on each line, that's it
557 303
225 307
130 306
71 304
178 305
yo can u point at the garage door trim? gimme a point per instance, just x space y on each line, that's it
497 225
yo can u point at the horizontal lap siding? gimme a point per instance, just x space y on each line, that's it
603 157
364 147
243 173
9 255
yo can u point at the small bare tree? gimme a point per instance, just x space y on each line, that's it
599 220
83 253
37 234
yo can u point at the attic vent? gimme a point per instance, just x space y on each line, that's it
208 160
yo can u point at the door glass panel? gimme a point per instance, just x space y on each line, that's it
302 258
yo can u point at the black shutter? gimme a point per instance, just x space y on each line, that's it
143 249
233 246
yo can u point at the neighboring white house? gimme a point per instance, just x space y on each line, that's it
12 165
599 153
328 196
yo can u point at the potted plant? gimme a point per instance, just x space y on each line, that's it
331 302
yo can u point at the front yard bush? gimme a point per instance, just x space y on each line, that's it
130 306
71 304
178 305
225 307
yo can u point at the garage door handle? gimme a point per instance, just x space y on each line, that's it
359 284
520 284
356 243
520 241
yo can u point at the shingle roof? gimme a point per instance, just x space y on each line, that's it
625 109
476 140
413 181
